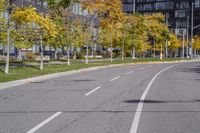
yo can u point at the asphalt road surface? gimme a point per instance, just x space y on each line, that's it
151 98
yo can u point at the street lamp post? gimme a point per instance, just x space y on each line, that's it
183 44
90 35
192 26
187 46
134 9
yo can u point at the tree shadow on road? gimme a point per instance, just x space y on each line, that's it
159 101
195 69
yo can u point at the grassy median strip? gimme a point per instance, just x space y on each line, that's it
22 71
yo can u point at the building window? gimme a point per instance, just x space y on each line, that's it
182 5
180 13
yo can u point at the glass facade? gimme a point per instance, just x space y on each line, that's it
177 12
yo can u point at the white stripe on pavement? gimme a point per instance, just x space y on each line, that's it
87 94
141 68
115 78
129 72
138 112
44 122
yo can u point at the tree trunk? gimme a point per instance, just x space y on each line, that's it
175 55
133 49
166 49
111 49
143 55
41 54
41 44
19 57
123 43
92 51
154 51
171 54
68 56
133 52
8 46
55 54
195 53
87 52
74 54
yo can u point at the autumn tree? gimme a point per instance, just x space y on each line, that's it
173 43
6 6
123 27
157 30
80 34
196 44
43 27
22 38
59 9
137 31
110 14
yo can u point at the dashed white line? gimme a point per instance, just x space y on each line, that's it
87 94
129 72
33 130
138 112
141 68
115 78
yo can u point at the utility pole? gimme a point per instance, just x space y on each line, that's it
192 28
134 7
90 37
187 46
166 43
183 44
133 47
22 3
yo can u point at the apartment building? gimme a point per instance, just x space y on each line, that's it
178 12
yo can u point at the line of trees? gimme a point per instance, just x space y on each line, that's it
134 33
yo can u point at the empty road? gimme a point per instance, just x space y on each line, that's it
146 98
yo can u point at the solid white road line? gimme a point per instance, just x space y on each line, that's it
138 112
87 94
115 78
44 122
129 72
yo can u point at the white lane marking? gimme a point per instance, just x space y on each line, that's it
138 112
87 94
129 72
115 78
141 68
44 122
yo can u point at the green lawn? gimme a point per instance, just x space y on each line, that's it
22 72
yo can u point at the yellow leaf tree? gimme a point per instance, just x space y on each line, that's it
157 30
173 44
43 27
196 44
110 13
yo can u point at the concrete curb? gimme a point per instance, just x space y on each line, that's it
60 74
